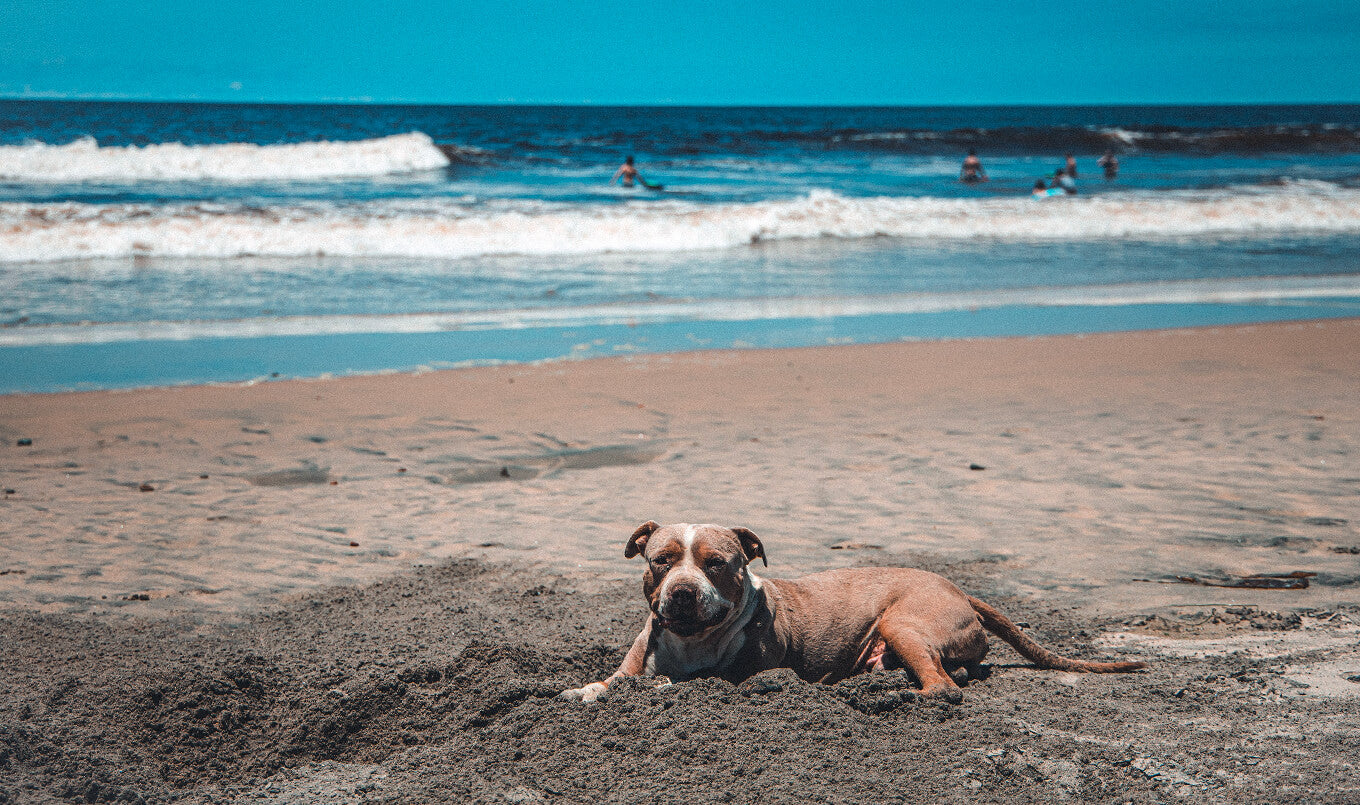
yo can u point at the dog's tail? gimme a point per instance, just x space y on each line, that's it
1002 627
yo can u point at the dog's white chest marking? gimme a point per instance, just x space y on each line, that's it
679 659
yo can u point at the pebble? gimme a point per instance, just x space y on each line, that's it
25 443
147 488
976 467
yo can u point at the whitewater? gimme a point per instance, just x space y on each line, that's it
85 160
1239 291
454 228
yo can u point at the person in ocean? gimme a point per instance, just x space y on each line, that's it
1071 166
628 172
972 169
1040 189
1062 180
1110 163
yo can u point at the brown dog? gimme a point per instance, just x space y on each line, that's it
713 616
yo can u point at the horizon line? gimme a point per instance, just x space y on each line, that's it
661 104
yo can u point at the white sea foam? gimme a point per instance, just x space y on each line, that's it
1123 135
86 161
453 228
1259 290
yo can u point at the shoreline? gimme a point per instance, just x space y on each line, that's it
154 355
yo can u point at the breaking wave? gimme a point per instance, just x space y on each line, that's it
458 228
84 160
1305 139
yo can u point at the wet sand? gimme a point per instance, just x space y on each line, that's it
296 590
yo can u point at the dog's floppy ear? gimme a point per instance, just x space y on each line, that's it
639 539
750 544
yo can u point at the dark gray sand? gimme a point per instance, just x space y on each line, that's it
437 686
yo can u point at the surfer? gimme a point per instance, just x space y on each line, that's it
1062 180
1110 163
1071 166
972 169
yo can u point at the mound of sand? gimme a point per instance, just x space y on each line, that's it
438 686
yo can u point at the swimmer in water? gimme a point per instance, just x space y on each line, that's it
1110 163
627 172
1062 180
1071 166
972 169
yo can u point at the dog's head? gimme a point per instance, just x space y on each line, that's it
696 575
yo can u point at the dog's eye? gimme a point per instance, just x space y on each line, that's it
661 561
715 564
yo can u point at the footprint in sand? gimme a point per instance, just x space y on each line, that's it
309 474
526 467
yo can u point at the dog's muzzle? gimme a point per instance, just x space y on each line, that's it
682 612
688 627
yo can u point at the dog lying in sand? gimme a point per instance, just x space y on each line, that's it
712 616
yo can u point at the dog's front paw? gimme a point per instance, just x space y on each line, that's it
589 693
943 692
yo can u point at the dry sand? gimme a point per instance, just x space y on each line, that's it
365 589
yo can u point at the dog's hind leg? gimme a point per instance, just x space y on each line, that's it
922 659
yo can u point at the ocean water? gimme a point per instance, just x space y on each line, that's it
147 244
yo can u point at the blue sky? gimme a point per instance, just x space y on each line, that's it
753 52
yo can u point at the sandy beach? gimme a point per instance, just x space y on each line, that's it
368 588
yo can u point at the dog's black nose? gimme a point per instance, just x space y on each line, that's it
684 597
